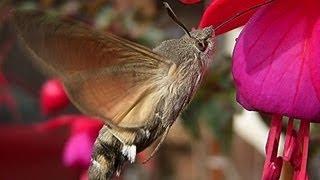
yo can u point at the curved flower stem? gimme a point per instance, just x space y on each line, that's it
273 164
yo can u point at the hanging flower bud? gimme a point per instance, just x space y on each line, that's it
53 97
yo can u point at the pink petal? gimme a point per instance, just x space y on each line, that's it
77 123
78 149
87 124
41 157
221 10
276 61
56 123
83 131
190 1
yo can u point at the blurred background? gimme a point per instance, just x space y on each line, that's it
213 139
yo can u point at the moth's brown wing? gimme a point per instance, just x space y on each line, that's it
104 75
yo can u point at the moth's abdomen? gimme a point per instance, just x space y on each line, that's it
102 164
106 156
114 147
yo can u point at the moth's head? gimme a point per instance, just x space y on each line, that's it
197 44
201 40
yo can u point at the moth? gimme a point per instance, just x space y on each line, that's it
136 91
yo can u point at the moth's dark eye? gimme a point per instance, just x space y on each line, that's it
202 45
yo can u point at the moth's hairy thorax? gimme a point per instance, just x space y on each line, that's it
188 65
186 62
184 51
177 50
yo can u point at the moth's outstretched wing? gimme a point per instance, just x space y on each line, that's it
104 75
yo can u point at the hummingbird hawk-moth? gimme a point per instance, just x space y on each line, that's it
136 91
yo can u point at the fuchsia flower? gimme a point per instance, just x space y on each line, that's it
61 147
276 68
48 150
220 10
83 132
275 60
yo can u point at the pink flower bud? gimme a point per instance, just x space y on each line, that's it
53 97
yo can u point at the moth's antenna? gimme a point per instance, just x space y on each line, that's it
242 13
174 18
